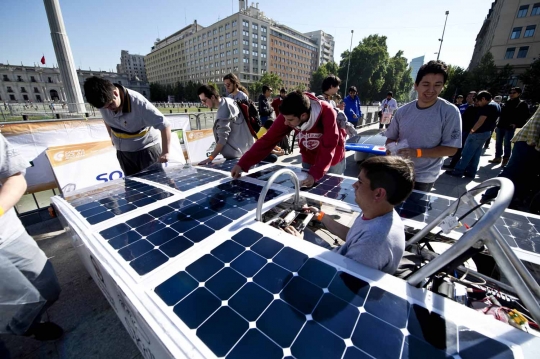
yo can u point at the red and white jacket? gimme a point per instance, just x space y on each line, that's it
321 142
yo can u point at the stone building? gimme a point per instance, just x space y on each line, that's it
132 65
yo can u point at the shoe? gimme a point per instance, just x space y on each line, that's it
469 175
452 173
495 160
448 167
47 331
505 161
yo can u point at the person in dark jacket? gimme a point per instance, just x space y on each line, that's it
468 119
514 114
265 108
277 101
352 106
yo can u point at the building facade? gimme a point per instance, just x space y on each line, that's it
415 65
325 43
132 65
509 33
246 43
44 84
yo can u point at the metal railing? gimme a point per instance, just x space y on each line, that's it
44 111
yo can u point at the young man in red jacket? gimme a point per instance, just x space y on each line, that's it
319 138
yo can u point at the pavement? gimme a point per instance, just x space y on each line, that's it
92 329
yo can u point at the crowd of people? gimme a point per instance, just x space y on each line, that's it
419 135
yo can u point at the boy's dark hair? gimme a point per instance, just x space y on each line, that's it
352 88
483 94
236 82
268 123
432 67
295 104
98 91
517 89
283 90
330 81
393 173
208 91
265 88
390 93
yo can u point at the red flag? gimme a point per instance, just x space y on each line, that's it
43 60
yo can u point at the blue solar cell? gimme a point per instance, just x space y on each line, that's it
135 250
377 338
115 204
100 217
197 307
317 272
474 345
301 294
124 239
247 237
184 225
162 236
349 288
191 210
267 247
161 211
176 288
248 263
115 231
387 306
218 222
222 331
227 251
225 283
86 206
93 211
150 227
123 209
170 218
273 278
281 323
315 341
148 262
432 328
180 204
355 353
290 258
176 246
139 220
234 213
416 348
196 197
199 233
250 301
336 315
255 345
143 202
204 267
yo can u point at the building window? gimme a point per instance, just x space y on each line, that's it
49 79
12 97
510 53
254 36
522 12
234 23
6 78
516 33
9 89
245 33
32 78
36 90
522 53
529 31
535 9
255 26
38 98
245 23
23 90
25 97
19 78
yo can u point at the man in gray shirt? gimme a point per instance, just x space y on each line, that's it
377 237
134 124
430 125
231 132
28 270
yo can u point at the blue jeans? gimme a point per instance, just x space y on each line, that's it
337 169
524 158
503 134
470 156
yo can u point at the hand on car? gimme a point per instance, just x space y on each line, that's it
293 231
236 172
308 182
205 161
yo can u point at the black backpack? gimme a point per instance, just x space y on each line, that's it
251 115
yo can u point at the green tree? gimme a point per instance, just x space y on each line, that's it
531 80
457 84
300 87
486 76
269 79
397 78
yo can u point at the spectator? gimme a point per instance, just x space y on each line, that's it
377 237
352 106
431 126
487 116
231 133
330 87
468 119
514 114
277 101
498 100
341 105
459 100
524 164
319 138
389 104
133 123
469 102
265 109
235 90
19 252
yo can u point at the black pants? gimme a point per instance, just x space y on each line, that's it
424 187
134 162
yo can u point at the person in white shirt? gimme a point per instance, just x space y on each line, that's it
390 104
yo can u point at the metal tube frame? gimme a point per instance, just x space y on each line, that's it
506 259
262 196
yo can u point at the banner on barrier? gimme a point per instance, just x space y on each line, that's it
199 144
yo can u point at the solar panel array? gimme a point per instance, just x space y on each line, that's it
227 165
253 297
151 239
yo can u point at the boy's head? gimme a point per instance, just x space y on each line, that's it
330 85
101 93
384 180
483 98
209 96
267 90
283 92
430 81
296 109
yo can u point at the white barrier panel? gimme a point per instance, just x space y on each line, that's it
199 144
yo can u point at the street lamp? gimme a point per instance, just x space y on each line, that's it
442 37
349 65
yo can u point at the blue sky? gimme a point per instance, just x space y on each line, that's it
99 29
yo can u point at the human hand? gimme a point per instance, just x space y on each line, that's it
308 182
407 152
293 231
164 158
205 161
311 209
236 172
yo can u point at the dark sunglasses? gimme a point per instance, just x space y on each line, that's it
513 92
